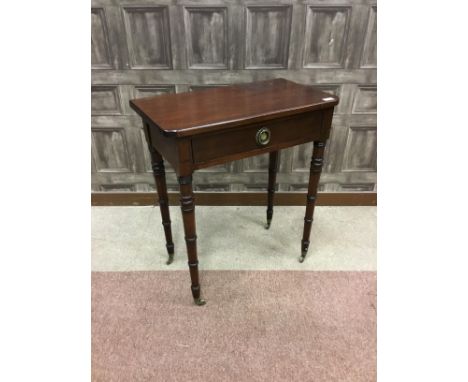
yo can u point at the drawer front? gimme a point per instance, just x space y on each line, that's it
258 137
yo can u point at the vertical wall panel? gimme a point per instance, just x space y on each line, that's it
206 37
148 37
326 32
267 36
365 100
369 54
100 50
153 47
360 153
110 151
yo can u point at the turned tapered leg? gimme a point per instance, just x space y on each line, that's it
157 164
187 205
314 177
272 168
159 173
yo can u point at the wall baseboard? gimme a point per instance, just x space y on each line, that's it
235 198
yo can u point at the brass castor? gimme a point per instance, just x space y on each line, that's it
170 259
268 224
303 255
305 248
199 301
170 251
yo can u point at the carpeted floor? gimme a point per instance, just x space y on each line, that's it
233 238
267 318
257 326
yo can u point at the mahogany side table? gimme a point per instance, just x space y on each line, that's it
214 126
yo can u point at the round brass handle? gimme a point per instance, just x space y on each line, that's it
263 136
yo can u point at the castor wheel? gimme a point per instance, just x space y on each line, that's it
199 301
170 251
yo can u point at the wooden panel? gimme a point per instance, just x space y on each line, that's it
206 37
349 187
256 163
100 50
145 152
110 150
267 36
212 187
105 100
365 100
148 37
301 157
361 149
330 89
326 32
118 187
140 49
304 187
152 90
369 52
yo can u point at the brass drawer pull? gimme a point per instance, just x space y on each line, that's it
263 136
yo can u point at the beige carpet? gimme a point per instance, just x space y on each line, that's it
233 238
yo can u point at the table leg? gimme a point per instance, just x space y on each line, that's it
159 173
315 170
272 168
187 205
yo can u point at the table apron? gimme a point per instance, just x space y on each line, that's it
224 146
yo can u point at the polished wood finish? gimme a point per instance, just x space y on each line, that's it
187 205
272 168
226 146
209 110
157 164
316 164
236 199
196 130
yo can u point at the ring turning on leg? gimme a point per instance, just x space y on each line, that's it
160 178
187 205
315 170
272 168
157 164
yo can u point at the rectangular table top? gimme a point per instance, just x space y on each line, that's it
193 113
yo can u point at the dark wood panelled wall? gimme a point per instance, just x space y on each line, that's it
152 47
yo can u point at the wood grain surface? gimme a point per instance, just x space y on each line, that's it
188 114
